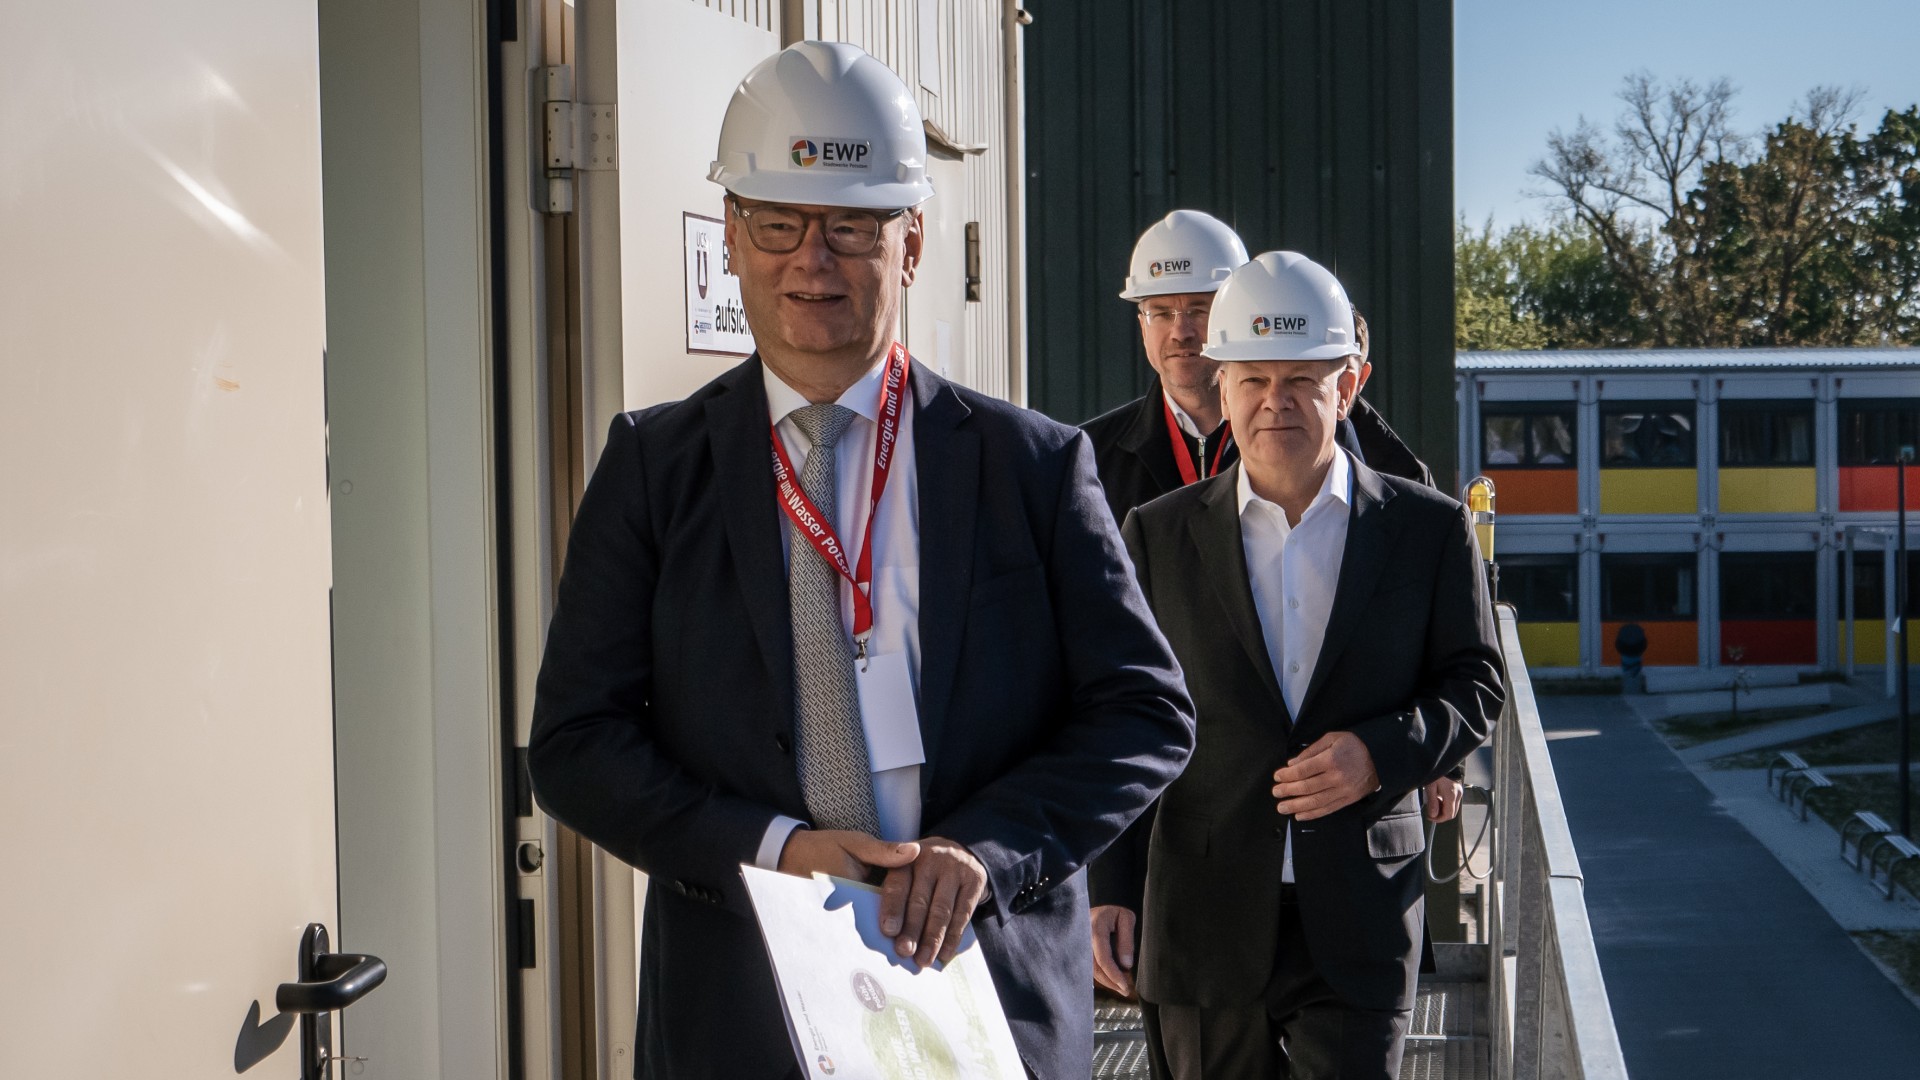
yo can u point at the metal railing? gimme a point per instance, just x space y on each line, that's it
1551 1017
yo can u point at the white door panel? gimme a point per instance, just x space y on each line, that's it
165 719
679 64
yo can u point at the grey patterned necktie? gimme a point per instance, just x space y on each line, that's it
831 747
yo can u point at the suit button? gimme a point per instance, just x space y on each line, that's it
680 887
784 742
1280 831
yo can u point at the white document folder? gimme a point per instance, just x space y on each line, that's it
854 1010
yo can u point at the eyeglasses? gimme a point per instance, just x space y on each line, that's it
1166 316
778 230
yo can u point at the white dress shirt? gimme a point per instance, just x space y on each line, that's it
896 568
1180 417
1293 571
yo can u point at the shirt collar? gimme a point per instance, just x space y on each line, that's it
1187 423
863 397
1336 487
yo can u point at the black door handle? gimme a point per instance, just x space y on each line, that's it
327 981
339 980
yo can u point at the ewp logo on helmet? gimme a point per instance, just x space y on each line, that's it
1171 267
1283 325
815 151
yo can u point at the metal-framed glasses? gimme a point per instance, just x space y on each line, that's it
1167 316
778 230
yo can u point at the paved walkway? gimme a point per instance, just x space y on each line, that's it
1810 851
1718 963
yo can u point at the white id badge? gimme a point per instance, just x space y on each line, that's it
888 712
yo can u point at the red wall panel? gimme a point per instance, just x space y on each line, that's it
1770 641
1876 487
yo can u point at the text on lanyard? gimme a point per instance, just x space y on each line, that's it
813 525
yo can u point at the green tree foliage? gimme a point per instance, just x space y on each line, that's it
1674 230
1531 287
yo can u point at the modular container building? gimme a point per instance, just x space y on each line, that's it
1726 500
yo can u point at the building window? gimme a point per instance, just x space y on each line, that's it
1757 434
1647 588
1870 584
1769 585
1872 431
1542 588
1540 437
1646 435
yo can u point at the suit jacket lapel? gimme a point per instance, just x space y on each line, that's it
740 435
1216 533
1147 440
947 461
1360 567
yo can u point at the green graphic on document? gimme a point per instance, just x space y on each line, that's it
907 1046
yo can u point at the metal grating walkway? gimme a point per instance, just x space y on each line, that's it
1448 1038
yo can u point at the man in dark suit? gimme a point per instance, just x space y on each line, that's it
835 614
1334 630
1176 435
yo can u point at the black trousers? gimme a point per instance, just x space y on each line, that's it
1299 1030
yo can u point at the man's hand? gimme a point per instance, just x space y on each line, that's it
1335 772
1443 799
841 853
925 905
1113 948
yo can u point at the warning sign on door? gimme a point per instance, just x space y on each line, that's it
716 320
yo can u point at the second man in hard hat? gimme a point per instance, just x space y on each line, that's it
1175 433
1333 628
833 613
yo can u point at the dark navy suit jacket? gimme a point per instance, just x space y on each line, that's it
1051 708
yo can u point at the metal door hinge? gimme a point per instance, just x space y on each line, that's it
575 137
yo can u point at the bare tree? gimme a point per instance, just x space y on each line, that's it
1627 189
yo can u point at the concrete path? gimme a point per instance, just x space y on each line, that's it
1810 851
1718 963
1792 731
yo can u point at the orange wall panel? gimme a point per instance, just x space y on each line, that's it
1668 643
1535 491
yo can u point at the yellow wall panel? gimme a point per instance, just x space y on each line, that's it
1869 642
1649 491
1767 491
1550 644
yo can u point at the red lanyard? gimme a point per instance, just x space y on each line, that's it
806 517
1180 456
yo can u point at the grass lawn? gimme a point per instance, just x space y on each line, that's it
1861 745
1684 731
1899 950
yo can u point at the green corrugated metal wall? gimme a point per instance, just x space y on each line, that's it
1321 126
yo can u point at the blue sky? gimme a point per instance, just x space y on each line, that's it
1525 67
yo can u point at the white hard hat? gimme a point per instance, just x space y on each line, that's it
1281 306
1185 252
823 122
